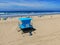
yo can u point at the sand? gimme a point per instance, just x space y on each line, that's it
47 31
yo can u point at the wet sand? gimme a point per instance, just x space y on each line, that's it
47 31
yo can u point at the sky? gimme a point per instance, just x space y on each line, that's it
29 5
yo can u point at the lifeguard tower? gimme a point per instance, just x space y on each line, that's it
25 23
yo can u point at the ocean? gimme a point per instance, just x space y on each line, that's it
26 13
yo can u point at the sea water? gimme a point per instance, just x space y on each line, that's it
25 13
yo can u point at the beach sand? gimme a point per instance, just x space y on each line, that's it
47 31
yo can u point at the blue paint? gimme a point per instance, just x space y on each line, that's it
26 23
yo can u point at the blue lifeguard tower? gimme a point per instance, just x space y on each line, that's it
26 23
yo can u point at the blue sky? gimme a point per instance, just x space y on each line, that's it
22 5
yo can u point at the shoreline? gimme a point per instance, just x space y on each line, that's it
4 16
41 16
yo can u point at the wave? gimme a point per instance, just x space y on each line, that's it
12 14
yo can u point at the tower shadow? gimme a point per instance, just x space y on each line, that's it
28 30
